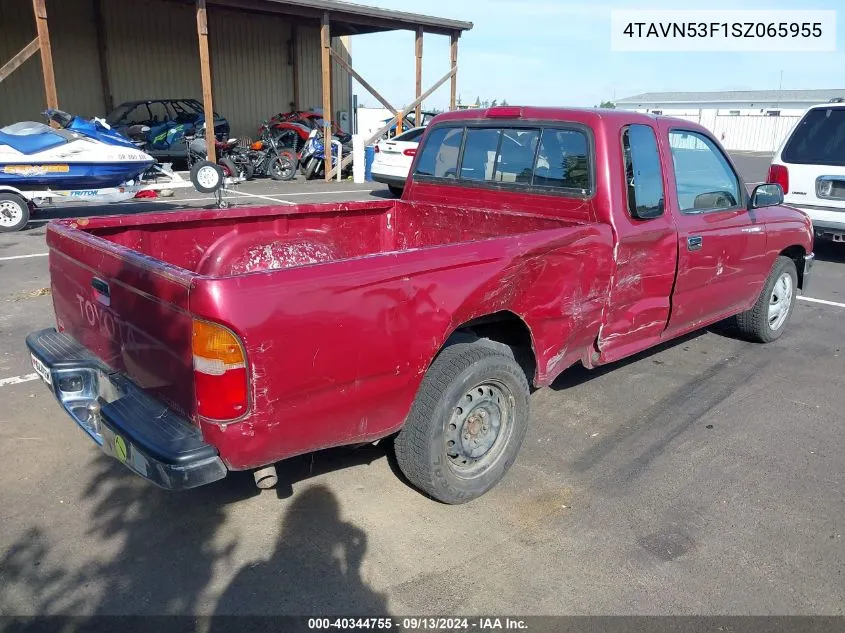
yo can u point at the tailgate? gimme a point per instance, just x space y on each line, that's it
130 310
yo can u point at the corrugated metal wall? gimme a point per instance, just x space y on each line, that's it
310 72
153 53
152 50
75 60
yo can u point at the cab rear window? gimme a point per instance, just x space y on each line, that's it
546 158
818 139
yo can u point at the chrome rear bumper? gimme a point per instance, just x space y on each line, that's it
145 435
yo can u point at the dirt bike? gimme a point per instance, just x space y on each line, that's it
312 159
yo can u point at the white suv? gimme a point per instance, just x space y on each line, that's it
810 167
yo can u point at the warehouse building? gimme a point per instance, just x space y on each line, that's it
749 120
261 56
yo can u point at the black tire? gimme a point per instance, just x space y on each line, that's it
757 324
230 169
396 191
14 212
248 170
201 176
282 168
312 168
431 449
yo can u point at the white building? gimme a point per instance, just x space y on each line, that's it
750 120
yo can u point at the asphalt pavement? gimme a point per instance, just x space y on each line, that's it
703 477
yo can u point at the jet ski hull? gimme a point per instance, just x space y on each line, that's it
63 176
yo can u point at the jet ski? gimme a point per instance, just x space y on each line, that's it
79 154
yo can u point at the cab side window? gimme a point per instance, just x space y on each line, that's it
704 178
643 173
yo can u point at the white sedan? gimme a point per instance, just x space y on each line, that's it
393 159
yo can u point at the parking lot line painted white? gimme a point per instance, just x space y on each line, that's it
16 380
6 259
255 195
823 302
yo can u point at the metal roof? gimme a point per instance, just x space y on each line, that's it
737 96
348 18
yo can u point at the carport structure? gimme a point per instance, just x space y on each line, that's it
109 20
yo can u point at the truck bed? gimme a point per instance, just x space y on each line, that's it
322 342
221 244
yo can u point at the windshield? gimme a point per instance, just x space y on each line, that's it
819 139
118 114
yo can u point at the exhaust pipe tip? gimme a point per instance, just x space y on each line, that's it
266 478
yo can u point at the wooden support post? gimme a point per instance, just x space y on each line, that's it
294 52
205 70
102 54
454 57
419 55
40 9
17 61
345 65
413 105
326 62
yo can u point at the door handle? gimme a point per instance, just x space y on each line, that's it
695 242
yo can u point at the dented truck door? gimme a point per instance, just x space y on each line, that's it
638 308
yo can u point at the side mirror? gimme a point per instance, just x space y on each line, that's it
767 195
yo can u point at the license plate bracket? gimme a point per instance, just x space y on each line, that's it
41 369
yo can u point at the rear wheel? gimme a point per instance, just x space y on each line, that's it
767 319
230 169
467 422
14 212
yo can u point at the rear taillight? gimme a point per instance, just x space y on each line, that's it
411 151
779 174
376 149
220 376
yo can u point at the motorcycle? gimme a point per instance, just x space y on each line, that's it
232 162
312 159
267 158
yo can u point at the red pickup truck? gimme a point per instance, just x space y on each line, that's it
528 239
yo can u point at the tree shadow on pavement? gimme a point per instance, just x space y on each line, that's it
315 568
154 552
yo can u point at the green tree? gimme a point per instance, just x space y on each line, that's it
504 102
607 104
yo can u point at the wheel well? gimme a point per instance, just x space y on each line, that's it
503 327
796 253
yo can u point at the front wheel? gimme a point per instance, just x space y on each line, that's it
282 168
311 168
767 319
467 422
206 176
14 212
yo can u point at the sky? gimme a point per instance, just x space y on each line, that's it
557 52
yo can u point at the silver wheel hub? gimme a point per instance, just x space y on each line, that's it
780 301
11 213
480 422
